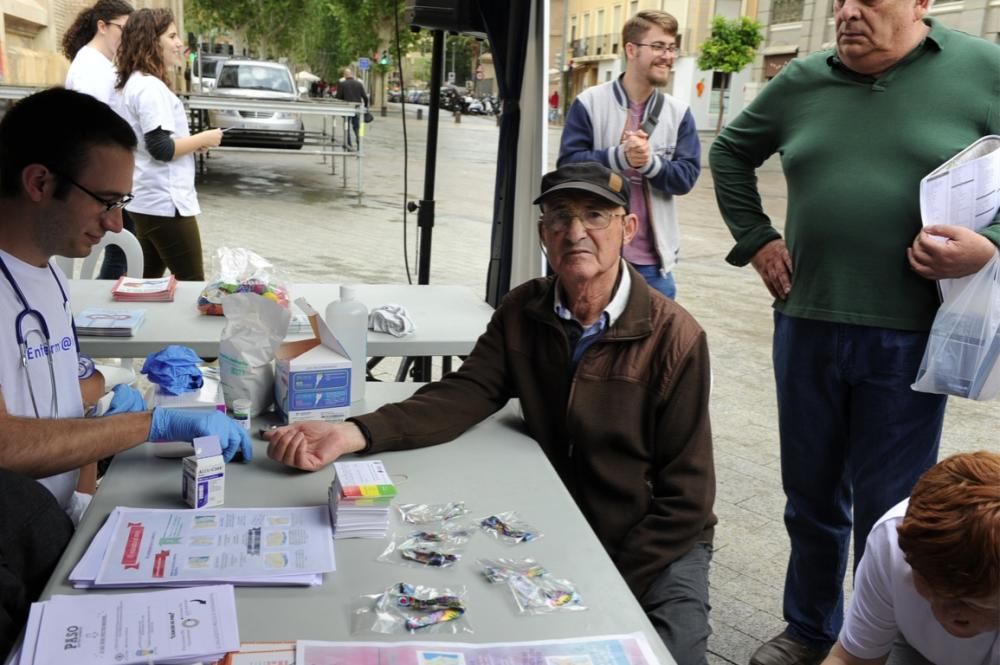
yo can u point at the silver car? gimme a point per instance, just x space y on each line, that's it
262 81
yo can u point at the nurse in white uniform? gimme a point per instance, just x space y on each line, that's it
91 43
165 201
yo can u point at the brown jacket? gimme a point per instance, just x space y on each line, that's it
628 433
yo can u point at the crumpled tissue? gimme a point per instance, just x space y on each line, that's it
392 319
174 369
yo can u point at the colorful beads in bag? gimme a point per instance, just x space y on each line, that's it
210 299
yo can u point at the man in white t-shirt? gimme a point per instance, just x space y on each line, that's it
927 591
65 172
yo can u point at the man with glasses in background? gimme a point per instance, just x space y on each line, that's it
630 126
613 381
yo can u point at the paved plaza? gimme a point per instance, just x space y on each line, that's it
291 210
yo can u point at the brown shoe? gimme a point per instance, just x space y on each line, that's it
783 650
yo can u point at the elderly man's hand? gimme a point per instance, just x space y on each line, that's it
637 151
947 252
313 444
774 265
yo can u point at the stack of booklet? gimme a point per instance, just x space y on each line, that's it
359 499
164 627
133 289
109 322
182 547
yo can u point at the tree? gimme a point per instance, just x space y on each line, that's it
732 46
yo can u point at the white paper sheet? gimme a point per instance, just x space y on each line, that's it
172 626
301 529
964 191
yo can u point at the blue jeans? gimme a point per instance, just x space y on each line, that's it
851 430
664 285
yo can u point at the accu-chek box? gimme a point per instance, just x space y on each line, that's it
313 376
204 474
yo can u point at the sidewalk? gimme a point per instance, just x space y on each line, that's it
290 210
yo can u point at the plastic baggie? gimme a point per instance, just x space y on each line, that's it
431 549
509 528
424 513
405 608
535 591
239 270
964 343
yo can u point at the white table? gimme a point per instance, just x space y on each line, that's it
494 467
448 319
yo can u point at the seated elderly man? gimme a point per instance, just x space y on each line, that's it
927 591
613 380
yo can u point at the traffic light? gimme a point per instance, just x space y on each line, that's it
384 60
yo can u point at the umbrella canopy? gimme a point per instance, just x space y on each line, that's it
306 76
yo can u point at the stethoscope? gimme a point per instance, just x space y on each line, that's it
22 338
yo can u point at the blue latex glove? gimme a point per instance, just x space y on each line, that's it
126 400
174 425
174 369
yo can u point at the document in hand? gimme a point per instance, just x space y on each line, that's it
964 191
169 627
241 546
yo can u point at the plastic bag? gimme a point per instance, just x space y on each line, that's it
422 513
431 549
254 329
509 528
406 608
535 591
964 344
239 270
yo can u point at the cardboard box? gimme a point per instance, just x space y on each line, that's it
313 376
204 474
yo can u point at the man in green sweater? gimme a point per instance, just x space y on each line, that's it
856 128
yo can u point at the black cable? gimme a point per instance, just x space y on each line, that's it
406 147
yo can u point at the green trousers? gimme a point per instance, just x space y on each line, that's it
170 242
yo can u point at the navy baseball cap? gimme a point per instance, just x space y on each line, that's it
590 177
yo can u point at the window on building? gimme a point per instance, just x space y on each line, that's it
599 27
633 8
786 11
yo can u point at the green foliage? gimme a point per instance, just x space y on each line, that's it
732 46
325 34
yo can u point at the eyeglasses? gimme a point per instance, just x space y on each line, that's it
117 25
109 205
659 48
593 219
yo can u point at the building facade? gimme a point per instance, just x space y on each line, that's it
795 28
31 32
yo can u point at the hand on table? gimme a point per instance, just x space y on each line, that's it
174 425
947 252
774 265
313 444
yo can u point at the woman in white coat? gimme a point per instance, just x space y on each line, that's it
90 44
165 202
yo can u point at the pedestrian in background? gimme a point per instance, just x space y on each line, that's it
853 306
352 90
90 44
649 136
165 202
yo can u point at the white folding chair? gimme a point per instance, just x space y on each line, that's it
128 243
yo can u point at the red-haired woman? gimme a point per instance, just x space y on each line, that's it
165 202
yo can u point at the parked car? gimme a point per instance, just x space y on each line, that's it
204 70
258 80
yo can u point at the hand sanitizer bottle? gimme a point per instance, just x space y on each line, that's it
347 318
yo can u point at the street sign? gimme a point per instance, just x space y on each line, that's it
363 64
479 76
451 77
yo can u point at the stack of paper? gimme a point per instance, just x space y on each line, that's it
133 289
359 499
173 626
182 547
109 322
